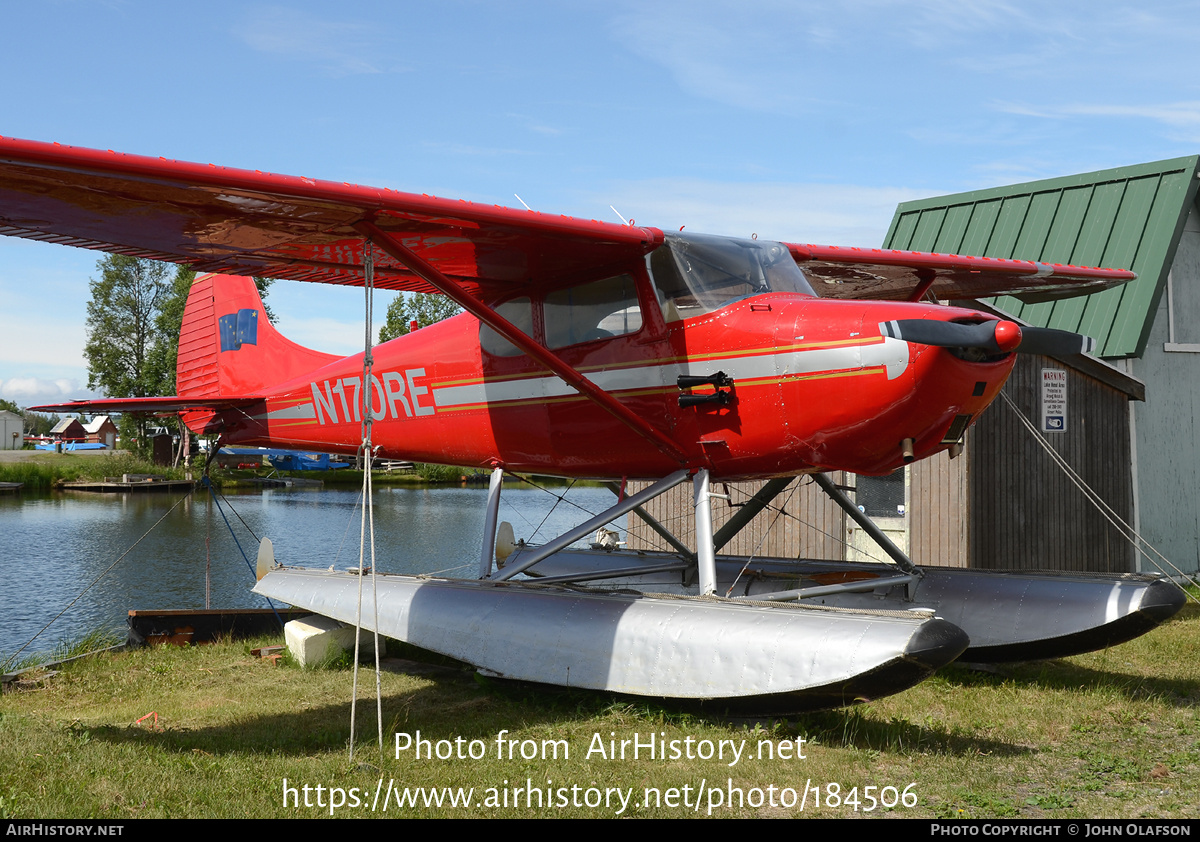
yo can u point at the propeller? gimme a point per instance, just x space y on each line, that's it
996 337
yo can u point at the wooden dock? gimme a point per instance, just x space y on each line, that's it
130 482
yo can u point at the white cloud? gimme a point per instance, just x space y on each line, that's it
1186 113
32 338
845 215
31 391
340 47
1181 119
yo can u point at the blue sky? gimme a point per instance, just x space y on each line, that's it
798 121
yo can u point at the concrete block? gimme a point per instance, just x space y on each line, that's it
315 639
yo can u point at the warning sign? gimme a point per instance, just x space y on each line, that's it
1054 400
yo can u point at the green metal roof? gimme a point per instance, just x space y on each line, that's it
1124 218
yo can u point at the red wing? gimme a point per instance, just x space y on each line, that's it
890 274
239 222
217 219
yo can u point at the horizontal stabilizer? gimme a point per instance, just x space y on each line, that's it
169 404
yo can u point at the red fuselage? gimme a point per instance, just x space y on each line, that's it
816 387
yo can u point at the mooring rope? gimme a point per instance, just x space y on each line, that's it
103 573
207 482
235 512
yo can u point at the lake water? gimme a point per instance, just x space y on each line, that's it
53 546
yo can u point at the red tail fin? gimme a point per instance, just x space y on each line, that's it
228 347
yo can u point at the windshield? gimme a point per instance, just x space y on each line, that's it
696 273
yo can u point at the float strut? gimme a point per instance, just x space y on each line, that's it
885 543
706 561
566 539
489 523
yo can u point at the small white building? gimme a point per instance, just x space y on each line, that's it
12 426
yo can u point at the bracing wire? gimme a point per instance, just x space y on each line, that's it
762 540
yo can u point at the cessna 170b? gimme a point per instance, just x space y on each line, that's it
590 349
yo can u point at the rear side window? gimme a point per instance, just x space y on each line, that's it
597 310
520 313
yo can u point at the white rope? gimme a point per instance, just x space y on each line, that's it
1127 532
367 524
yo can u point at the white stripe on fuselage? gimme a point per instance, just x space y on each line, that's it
891 354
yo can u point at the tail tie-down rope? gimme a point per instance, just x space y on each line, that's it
367 526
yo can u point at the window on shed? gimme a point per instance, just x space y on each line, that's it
1183 290
881 496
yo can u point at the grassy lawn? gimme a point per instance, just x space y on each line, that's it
1111 734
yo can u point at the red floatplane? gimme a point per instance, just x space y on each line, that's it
591 349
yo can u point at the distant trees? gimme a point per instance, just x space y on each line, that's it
122 326
421 307
37 424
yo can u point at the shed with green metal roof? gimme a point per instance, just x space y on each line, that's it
1144 218
1124 218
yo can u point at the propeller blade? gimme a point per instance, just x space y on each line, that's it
942 334
1047 340
992 336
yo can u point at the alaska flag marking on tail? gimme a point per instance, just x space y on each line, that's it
238 329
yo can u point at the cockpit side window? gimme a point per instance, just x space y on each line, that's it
520 313
596 310
696 274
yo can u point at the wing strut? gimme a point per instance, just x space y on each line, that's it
517 337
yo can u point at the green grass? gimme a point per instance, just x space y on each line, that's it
1112 734
82 645
47 470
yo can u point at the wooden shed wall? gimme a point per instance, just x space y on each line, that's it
802 523
939 510
1025 511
